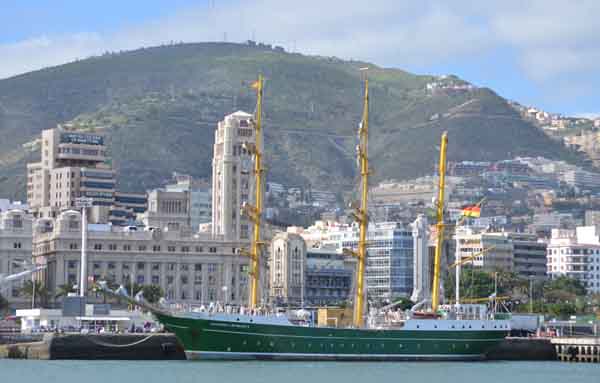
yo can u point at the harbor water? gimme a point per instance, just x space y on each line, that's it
26 371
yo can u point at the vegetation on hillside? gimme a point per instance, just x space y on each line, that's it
161 105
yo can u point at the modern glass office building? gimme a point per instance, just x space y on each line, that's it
389 272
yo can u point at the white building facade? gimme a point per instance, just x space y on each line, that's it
233 176
15 249
190 268
576 254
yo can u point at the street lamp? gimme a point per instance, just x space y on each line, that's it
83 203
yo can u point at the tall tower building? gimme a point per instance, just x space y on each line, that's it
233 176
73 164
421 269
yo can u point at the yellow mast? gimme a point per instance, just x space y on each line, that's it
435 295
255 212
361 213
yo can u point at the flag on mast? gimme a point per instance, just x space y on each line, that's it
471 211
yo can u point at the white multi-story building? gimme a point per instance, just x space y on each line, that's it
190 268
389 269
521 253
233 176
287 268
576 254
73 164
15 249
200 195
582 179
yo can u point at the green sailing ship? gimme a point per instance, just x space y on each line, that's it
429 335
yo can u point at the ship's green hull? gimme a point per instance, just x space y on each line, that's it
219 339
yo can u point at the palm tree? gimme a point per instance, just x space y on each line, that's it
65 290
37 289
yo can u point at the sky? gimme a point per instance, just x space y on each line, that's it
543 53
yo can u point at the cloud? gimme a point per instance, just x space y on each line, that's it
551 41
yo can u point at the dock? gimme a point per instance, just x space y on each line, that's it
577 349
93 347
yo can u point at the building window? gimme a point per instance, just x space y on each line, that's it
156 248
140 279
72 264
185 249
126 247
198 267
199 249
111 265
171 249
97 265
97 246
155 280
184 279
73 246
169 279
156 266
142 248
112 246
17 245
184 267
212 250
171 267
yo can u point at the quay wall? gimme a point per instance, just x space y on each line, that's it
530 349
97 346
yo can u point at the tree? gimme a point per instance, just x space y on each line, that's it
3 304
563 290
473 284
152 293
36 288
65 290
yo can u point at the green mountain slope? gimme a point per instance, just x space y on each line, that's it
161 106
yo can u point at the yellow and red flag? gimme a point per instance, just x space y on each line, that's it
471 211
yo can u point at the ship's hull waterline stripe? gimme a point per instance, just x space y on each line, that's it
354 338
193 354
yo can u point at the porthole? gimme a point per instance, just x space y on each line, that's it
244 343
293 345
453 346
419 346
382 345
467 346
417 326
271 344
435 326
258 343
331 345
352 345
452 326
228 349
400 345
309 345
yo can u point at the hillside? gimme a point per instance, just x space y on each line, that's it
160 106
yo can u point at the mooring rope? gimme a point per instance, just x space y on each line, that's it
100 343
